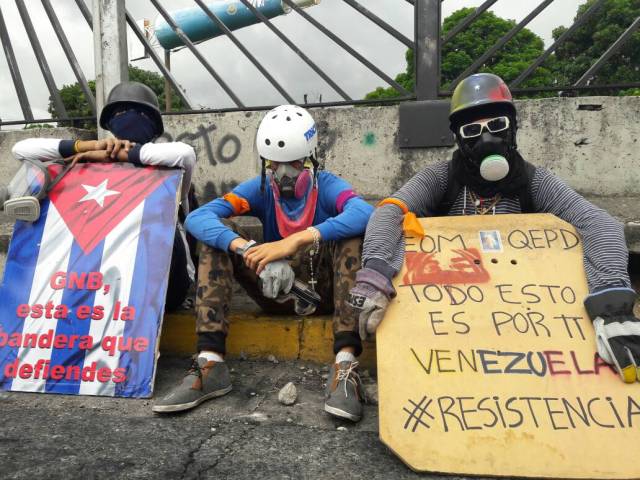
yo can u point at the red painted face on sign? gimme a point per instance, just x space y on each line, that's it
464 267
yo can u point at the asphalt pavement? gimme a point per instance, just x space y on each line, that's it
247 434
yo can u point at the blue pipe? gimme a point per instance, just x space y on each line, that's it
195 23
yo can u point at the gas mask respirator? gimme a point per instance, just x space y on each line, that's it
20 200
487 144
490 153
292 182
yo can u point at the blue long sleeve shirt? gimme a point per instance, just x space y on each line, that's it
339 212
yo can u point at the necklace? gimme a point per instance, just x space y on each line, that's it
312 280
315 248
484 205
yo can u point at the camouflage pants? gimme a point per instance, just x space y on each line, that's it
334 272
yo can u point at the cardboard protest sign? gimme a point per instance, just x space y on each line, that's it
486 357
84 287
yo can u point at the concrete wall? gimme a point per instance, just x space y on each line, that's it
8 138
590 142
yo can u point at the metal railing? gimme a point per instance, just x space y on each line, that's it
427 42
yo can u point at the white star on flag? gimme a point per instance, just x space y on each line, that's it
97 193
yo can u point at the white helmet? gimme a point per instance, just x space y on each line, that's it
287 133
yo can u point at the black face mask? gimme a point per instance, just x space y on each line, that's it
134 126
484 146
468 159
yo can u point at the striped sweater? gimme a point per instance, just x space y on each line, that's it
605 250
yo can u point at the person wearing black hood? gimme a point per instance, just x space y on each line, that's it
488 176
132 115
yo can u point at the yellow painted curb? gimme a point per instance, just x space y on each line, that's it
258 336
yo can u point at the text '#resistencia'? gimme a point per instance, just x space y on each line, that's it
464 413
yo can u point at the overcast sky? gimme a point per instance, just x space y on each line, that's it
295 76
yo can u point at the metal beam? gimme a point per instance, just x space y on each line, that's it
109 49
167 84
427 52
381 23
561 39
42 61
73 62
85 12
345 46
14 70
157 60
244 50
564 88
612 50
296 50
71 120
260 108
189 44
492 51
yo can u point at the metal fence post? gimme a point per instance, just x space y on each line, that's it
423 123
427 51
110 49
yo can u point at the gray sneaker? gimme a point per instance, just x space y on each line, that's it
343 397
205 380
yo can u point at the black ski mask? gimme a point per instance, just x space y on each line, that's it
489 164
133 125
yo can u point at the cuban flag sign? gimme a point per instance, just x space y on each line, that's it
82 299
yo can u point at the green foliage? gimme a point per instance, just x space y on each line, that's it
74 102
463 49
565 67
155 81
77 106
406 79
593 38
510 60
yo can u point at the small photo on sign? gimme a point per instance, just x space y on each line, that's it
490 241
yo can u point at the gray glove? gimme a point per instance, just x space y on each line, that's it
277 277
617 330
371 297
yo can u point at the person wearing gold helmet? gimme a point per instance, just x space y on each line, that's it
488 176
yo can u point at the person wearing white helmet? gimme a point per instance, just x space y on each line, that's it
312 225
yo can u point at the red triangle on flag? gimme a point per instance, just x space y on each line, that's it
92 198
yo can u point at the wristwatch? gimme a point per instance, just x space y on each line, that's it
243 249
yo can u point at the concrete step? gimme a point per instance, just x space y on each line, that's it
256 335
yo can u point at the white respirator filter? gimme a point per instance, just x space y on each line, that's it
20 200
26 209
494 168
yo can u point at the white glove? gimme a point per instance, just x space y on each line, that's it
277 277
617 330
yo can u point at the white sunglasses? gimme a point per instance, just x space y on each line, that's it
493 125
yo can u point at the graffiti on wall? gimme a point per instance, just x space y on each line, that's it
225 150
